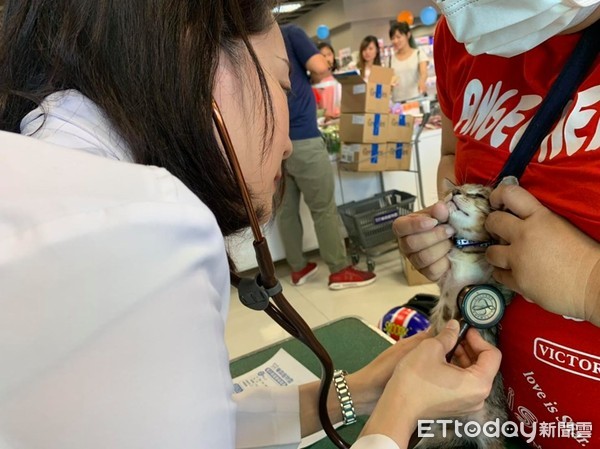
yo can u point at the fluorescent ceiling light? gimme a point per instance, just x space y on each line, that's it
287 7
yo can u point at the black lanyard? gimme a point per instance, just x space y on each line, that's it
562 90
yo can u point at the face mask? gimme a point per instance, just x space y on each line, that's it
510 27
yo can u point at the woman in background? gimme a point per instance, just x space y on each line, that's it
409 64
368 56
329 90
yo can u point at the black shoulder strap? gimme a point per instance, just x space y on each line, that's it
560 93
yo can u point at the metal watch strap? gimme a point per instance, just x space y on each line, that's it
343 394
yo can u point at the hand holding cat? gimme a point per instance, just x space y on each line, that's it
424 242
546 259
424 385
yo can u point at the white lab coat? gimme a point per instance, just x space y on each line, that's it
114 290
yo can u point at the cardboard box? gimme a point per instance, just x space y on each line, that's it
413 277
363 157
398 156
361 96
364 128
401 127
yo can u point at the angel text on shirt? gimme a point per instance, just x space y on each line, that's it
486 115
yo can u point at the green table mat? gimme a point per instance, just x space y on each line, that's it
351 343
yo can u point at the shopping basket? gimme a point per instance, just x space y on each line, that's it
369 222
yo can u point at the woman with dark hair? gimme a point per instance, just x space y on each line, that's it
368 55
329 54
409 64
328 89
116 196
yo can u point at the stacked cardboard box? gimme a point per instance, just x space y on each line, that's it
372 138
399 147
364 121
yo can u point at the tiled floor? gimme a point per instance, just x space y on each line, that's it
248 330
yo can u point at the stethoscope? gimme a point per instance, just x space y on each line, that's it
481 306
264 292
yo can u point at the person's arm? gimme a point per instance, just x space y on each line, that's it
592 296
308 54
448 150
423 76
546 259
421 237
259 408
318 67
425 386
123 311
365 385
409 381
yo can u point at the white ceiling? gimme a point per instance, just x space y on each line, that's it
309 5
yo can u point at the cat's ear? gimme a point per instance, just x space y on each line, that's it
447 185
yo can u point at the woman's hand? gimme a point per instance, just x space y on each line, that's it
434 388
367 384
424 241
546 259
424 385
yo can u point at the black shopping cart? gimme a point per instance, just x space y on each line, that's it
369 223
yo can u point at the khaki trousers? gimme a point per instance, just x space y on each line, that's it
309 172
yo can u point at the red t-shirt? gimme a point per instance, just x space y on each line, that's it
551 364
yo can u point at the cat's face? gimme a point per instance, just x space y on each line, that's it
469 206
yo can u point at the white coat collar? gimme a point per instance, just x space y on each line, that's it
70 119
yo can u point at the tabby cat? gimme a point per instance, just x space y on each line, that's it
469 207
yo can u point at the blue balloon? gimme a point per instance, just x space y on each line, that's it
428 15
322 32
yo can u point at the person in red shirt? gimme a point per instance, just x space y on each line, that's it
329 91
489 88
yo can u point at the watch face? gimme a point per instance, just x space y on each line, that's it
483 306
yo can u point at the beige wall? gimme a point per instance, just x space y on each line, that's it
349 21
331 14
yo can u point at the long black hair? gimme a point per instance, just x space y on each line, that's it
322 45
149 65
403 28
364 44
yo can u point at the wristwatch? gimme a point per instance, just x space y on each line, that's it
343 394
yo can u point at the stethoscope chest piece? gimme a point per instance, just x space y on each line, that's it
481 306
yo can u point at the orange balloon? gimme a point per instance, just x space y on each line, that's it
405 16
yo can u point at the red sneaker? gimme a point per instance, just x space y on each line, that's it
350 277
300 277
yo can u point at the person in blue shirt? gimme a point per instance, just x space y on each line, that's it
309 172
